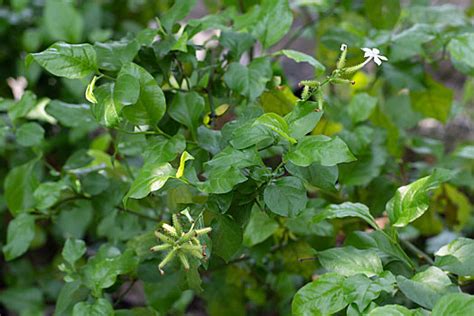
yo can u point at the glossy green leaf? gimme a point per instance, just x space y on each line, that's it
391 310
248 80
362 290
187 109
349 261
113 55
412 201
151 104
325 296
277 124
316 175
408 43
222 180
300 57
179 10
322 149
20 234
303 118
70 294
70 115
47 194
106 111
152 177
456 304
457 257
346 209
285 196
68 60
126 89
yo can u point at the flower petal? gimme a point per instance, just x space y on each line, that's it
377 60
375 51
343 47
383 58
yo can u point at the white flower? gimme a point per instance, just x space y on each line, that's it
374 53
343 47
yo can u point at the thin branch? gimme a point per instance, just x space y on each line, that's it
416 251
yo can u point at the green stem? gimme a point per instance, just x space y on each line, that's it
417 251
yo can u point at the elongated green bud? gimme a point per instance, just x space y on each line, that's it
203 231
165 239
183 260
342 59
320 101
166 260
170 229
310 83
305 95
341 81
160 247
177 225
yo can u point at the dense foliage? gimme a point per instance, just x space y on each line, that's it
154 166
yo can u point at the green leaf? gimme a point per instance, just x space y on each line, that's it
112 56
47 194
427 287
106 111
20 234
249 80
70 294
382 14
461 48
62 21
68 60
456 304
346 209
20 183
411 201
70 115
100 307
322 149
185 156
362 290
151 104
303 118
30 134
126 89
316 175
187 109
269 29
259 228
226 237
285 196
21 108
279 100
408 43
73 250
235 158
434 101
348 261
237 43
300 57
151 177
325 296
457 257
75 218
391 310
179 10
277 124
101 271
248 135
222 180
361 107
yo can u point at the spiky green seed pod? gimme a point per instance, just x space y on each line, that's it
171 230
342 59
305 95
177 225
203 231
